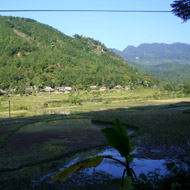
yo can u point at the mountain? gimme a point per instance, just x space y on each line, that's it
157 53
168 62
36 54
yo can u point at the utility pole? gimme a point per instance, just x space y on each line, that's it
9 109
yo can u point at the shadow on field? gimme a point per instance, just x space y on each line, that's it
35 141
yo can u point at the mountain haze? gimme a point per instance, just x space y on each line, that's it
168 62
36 54
157 53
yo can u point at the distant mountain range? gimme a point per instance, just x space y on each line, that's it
168 62
34 54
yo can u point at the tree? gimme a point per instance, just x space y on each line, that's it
181 8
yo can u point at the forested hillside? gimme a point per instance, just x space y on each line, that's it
177 74
36 54
168 62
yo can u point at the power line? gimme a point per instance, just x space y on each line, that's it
104 11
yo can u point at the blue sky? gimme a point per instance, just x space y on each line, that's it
115 30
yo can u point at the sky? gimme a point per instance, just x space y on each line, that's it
114 30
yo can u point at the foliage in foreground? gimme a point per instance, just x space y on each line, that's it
181 8
177 178
118 139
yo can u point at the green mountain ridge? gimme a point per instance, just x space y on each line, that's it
157 53
167 62
36 54
177 74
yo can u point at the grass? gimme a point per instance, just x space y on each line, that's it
187 111
4 138
46 139
41 104
163 126
40 134
119 103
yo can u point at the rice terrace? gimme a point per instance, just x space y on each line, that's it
45 130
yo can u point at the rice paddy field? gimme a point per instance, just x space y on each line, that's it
42 130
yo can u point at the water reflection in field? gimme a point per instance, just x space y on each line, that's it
107 174
140 165
108 170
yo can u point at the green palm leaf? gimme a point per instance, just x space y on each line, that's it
79 166
118 138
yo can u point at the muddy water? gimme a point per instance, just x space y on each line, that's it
105 173
139 165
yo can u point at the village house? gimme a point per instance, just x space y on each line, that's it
29 89
60 89
12 90
68 89
2 92
118 87
93 87
103 88
48 89
127 87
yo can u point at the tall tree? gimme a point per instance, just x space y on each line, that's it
181 8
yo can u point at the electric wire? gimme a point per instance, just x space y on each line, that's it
104 11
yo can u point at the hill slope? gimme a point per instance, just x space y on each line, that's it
168 62
36 54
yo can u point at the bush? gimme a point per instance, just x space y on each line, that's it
74 100
186 89
176 179
20 107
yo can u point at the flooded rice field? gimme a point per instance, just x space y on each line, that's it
108 171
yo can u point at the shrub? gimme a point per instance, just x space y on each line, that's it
74 100
186 89
20 107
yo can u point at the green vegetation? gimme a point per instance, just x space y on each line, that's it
167 62
46 127
181 9
45 139
34 54
74 99
177 178
177 74
82 101
118 138
157 53
42 142
187 88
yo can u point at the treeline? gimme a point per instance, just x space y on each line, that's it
34 54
